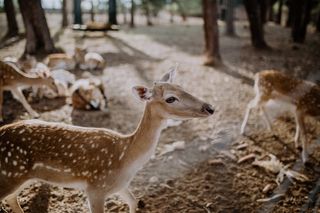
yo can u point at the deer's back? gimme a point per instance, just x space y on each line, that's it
82 152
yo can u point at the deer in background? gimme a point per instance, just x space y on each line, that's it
99 161
300 97
88 60
14 80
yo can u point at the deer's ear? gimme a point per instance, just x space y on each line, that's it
170 76
142 93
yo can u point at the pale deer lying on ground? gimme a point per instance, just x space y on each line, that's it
14 80
88 94
99 161
88 60
300 97
60 61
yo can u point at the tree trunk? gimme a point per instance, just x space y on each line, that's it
146 8
38 37
230 18
112 11
318 23
92 12
77 12
279 14
270 10
132 11
290 14
65 22
263 10
11 19
301 17
211 32
124 11
256 25
181 10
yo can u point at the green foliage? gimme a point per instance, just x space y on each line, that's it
156 6
192 8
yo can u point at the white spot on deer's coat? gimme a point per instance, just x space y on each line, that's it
121 156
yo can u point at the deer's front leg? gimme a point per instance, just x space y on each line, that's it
128 197
251 105
96 201
298 127
17 93
300 121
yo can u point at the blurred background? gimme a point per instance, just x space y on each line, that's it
219 45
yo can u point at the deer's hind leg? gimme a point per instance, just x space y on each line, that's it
10 195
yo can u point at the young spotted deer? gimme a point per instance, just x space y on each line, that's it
99 161
14 80
88 60
300 97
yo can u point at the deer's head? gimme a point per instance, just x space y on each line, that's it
79 54
48 80
170 101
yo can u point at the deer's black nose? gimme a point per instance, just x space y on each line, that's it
208 108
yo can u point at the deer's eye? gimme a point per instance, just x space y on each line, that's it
171 100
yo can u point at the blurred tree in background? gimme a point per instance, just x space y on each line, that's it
38 37
211 32
77 12
112 12
296 14
230 18
65 22
11 19
255 14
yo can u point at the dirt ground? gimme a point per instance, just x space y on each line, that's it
205 176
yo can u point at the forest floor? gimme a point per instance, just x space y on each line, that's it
205 176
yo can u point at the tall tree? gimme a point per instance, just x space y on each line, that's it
301 17
132 11
290 13
38 37
279 14
181 10
263 6
270 10
77 12
92 11
211 32
11 19
146 7
65 21
318 23
256 25
124 11
230 18
112 11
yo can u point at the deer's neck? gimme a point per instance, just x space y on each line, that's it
144 140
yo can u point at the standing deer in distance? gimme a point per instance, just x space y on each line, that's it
98 161
300 97
14 80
